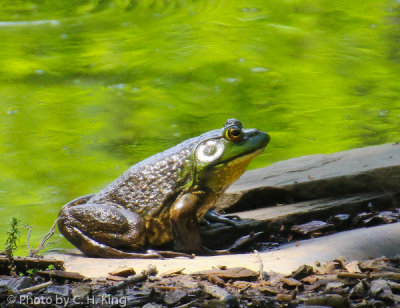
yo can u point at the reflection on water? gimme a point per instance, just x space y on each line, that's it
90 87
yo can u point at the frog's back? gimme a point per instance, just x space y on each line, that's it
151 185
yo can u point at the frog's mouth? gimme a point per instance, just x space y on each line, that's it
241 158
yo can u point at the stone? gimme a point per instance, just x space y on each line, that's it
62 290
317 176
373 264
173 272
153 305
291 282
61 275
339 219
267 290
80 291
272 218
332 300
386 217
173 298
357 244
331 287
360 290
230 273
310 227
284 297
16 283
352 267
123 271
302 272
380 289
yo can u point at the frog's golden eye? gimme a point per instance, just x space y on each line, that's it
233 133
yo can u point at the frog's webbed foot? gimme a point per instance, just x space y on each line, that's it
242 241
212 216
169 254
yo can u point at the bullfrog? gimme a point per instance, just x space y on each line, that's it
163 198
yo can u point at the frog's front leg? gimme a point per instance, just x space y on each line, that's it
184 223
103 230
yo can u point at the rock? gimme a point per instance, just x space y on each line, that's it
311 227
291 282
302 272
123 271
332 300
352 267
230 273
360 290
115 278
16 283
174 298
221 294
332 287
326 268
312 279
394 286
267 290
272 218
284 297
373 264
339 219
61 275
386 217
360 217
24 264
62 290
380 289
152 305
80 291
171 273
361 170
386 275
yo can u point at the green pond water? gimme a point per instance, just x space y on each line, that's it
88 88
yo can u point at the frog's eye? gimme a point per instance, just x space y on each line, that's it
233 133
209 151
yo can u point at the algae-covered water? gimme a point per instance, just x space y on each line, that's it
88 88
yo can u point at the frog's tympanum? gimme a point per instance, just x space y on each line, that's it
162 198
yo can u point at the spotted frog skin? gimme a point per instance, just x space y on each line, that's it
162 198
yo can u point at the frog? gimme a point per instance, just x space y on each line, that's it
162 199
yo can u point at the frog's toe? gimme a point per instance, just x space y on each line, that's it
212 216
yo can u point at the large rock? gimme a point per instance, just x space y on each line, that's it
369 169
359 244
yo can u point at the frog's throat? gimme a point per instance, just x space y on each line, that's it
224 174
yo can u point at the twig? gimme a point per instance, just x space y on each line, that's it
260 266
27 239
35 288
34 252
151 270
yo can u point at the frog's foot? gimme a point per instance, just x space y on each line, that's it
170 254
212 216
212 252
244 240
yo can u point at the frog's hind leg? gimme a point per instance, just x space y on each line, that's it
103 230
